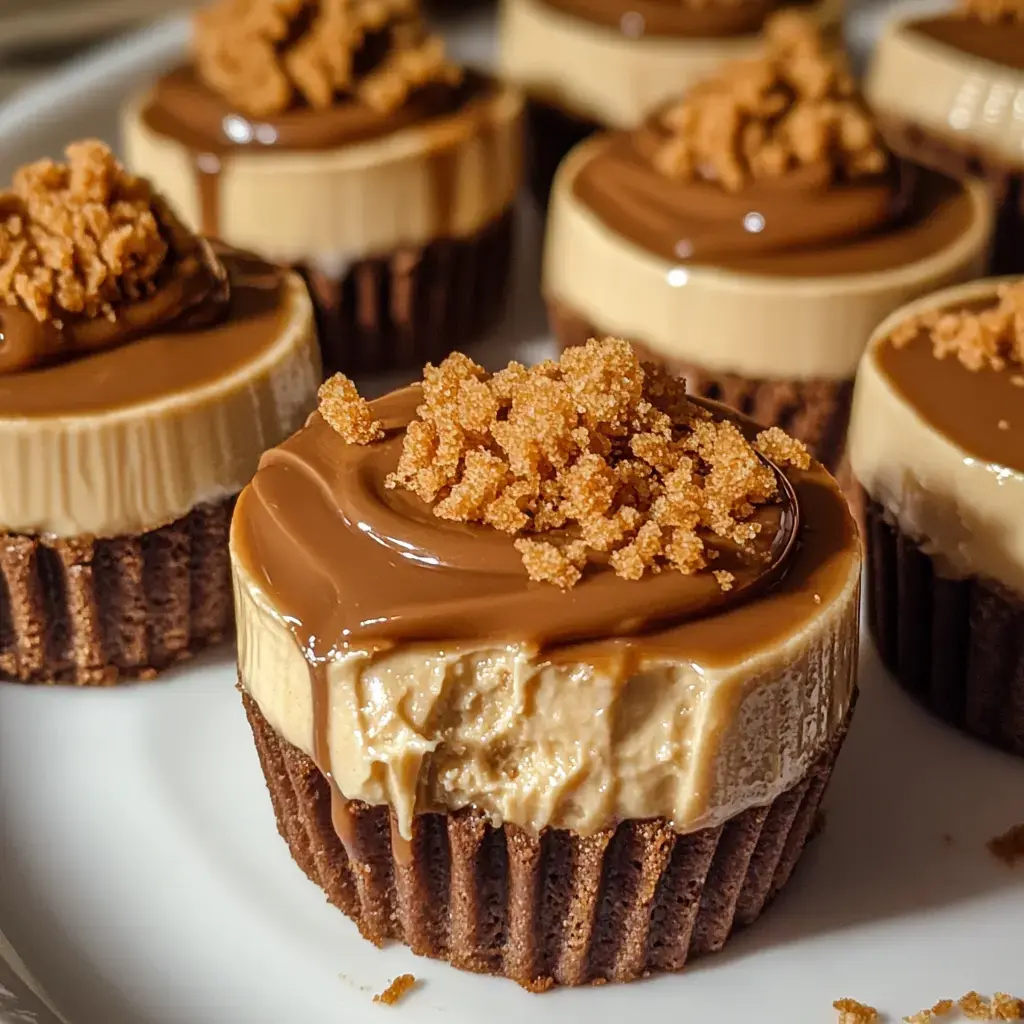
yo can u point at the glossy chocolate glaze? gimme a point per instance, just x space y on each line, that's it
169 360
1001 43
980 411
801 225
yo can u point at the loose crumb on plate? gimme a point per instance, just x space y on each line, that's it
940 1009
1000 1007
852 1012
1008 847
397 990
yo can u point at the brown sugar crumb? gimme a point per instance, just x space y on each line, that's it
79 238
596 457
940 1009
993 12
988 339
397 990
1008 847
348 413
267 56
852 1012
795 107
1000 1007
725 579
782 449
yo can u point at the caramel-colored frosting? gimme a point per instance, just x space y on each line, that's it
127 438
414 660
653 18
802 224
617 74
941 446
957 77
614 254
328 187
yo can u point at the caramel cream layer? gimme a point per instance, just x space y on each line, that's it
941 448
130 438
916 76
602 73
329 206
754 323
359 641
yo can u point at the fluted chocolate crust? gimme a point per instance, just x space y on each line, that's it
955 645
560 909
415 305
960 158
817 411
93 612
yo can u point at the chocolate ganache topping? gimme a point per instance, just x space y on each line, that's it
91 258
574 501
767 166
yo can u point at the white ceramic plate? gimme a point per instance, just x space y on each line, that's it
142 878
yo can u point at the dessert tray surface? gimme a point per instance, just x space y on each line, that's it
142 879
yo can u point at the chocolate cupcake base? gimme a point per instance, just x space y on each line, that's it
959 159
415 305
560 909
816 412
956 645
551 133
91 612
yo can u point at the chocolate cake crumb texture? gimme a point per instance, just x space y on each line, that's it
397 990
796 107
553 909
1008 847
268 56
597 442
852 1012
79 238
987 339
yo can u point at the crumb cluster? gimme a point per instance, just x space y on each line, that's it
987 339
397 990
797 106
347 412
594 457
1000 1007
994 12
266 56
79 238
1008 847
852 1012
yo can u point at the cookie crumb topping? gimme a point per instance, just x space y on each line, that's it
795 107
80 238
852 1012
596 457
268 56
985 339
347 413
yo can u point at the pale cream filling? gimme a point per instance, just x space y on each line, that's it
132 469
727 321
602 74
447 178
953 93
965 512
577 746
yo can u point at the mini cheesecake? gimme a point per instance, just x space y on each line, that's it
757 258
354 151
588 65
937 444
139 384
948 91
545 725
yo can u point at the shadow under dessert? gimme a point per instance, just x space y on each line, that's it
128 344
503 644
752 234
342 141
936 445
947 90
